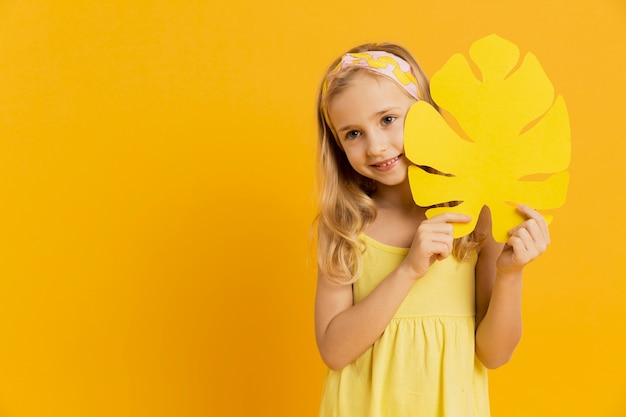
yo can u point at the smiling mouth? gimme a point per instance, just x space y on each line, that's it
388 162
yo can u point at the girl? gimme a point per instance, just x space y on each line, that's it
406 317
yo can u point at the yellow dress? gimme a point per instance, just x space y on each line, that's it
424 363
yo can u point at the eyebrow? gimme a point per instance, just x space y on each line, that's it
378 114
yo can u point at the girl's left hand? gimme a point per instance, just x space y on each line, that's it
526 242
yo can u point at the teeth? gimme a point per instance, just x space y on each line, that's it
388 163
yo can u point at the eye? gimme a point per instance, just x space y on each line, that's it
353 134
387 120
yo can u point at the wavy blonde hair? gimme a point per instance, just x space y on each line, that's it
345 206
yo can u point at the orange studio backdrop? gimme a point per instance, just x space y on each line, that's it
156 196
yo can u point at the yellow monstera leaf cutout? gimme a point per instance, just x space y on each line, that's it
513 145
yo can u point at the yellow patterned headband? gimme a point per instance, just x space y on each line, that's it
381 62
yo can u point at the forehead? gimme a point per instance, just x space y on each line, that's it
365 96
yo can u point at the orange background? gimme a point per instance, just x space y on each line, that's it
156 184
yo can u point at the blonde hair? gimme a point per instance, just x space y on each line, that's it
345 206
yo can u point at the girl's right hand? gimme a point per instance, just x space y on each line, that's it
433 241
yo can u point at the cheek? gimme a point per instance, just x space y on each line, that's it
354 154
398 136
351 156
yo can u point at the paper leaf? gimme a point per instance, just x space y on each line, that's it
512 126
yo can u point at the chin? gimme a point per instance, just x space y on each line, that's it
394 182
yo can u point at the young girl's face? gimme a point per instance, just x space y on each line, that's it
368 118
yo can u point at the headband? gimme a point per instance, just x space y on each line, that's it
381 62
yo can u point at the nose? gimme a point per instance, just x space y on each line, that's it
378 144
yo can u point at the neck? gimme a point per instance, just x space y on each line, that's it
398 196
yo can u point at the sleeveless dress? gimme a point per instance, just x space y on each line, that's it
424 363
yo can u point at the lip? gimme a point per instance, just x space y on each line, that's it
387 164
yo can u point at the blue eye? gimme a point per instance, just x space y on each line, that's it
387 120
353 134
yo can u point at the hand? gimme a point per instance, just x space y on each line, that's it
433 241
526 242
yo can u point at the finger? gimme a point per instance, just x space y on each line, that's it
518 249
532 214
518 228
528 211
432 242
450 218
443 228
527 242
535 231
447 239
529 230
537 238
437 238
442 250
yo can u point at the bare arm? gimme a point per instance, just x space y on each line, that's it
499 288
498 309
345 330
